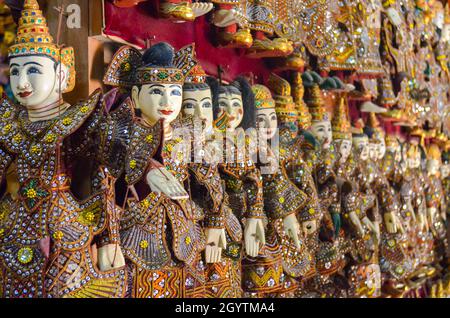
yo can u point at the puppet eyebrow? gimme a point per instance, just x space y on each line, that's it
32 63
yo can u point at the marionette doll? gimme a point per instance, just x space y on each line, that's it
292 148
47 234
413 197
362 271
323 259
395 262
434 197
222 229
160 230
344 55
243 179
262 19
322 161
282 201
345 165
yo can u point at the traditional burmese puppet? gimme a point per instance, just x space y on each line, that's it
395 262
434 195
322 161
242 178
345 165
362 270
282 201
262 19
292 149
413 197
322 258
223 230
46 232
161 236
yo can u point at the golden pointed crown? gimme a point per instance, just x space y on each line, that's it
391 141
33 38
374 123
304 117
284 103
263 97
341 122
316 104
433 152
197 75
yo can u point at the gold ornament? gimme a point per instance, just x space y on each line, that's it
33 38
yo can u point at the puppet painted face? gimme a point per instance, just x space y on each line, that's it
433 166
381 148
231 103
266 122
445 170
323 133
158 101
198 103
361 145
344 147
36 81
373 150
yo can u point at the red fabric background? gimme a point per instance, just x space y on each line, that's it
139 23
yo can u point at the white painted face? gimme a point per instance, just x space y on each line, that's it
322 132
266 122
381 148
445 171
373 151
345 148
446 33
198 103
439 19
361 145
158 101
233 105
35 80
414 161
433 166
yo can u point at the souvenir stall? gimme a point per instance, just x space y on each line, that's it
224 149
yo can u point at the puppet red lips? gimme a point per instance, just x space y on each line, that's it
25 94
166 112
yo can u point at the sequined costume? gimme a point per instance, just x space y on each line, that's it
51 255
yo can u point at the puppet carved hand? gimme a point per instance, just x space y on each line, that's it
254 236
110 257
391 222
216 242
292 229
356 223
162 181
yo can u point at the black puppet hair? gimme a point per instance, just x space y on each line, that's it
195 87
159 55
239 86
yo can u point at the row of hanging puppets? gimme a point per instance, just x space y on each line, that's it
104 198
395 53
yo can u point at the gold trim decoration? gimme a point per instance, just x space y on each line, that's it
33 38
